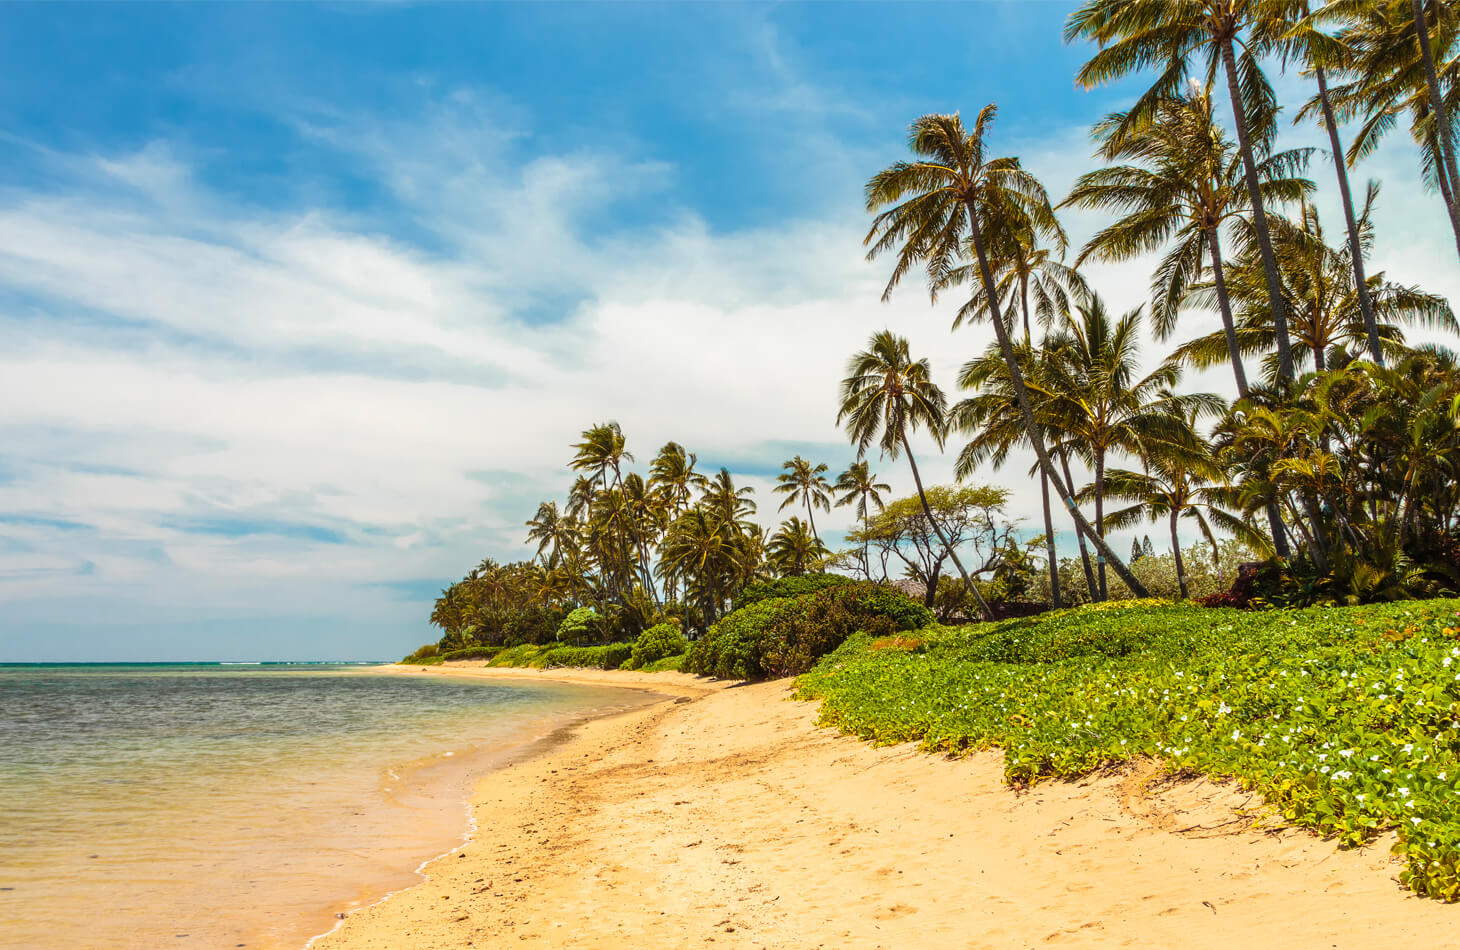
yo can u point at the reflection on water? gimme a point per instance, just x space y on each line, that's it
208 806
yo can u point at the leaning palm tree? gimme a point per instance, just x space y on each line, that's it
991 420
1100 404
948 194
860 487
803 482
1169 35
1182 185
886 395
1181 480
793 549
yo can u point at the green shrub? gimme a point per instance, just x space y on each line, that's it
425 655
580 627
608 657
521 655
1346 720
674 663
785 635
472 653
788 587
656 643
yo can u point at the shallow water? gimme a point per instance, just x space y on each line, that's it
238 806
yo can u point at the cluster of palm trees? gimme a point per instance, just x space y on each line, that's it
1311 462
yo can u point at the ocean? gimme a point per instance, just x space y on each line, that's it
214 806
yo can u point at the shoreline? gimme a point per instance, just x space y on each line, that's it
733 820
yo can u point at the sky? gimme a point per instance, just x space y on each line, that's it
302 307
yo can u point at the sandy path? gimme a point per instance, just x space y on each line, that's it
731 821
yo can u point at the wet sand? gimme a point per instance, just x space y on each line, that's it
728 819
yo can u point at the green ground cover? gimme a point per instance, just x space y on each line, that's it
1347 720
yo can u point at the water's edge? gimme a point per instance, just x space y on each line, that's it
523 751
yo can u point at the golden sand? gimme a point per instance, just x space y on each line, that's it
731 820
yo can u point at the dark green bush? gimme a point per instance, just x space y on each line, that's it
786 635
788 587
531 625
656 643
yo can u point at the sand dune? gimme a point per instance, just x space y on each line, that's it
732 821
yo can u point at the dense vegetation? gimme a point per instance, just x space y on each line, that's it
1347 720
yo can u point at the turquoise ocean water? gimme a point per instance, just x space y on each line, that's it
209 805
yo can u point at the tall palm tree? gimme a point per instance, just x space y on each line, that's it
728 502
935 202
794 548
1328 322
601 451
801 481
1397 69
672 474
1182 186
859 486
1169 34
554 532
885 395
1100 404
1027 267
1299 37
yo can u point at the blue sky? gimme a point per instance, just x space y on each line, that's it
303 305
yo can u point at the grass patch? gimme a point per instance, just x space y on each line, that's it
1345 719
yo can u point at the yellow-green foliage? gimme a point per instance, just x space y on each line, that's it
1345 719
658 642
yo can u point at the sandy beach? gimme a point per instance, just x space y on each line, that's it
725 817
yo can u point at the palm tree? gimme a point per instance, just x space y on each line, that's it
728 502
991 419
802 481
1328 321
886 395
794 547
1179 481
1299 37
1028 267
1395 70
601 451
935 202
555 533
860 486
672 473
1099 404
1184 185
1168 34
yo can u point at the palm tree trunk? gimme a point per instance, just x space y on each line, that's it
811 516
1224 303
1055 600
1100 517
1259 215
1049 548
1447 167
638 540
1031 430
1176 550
983 608
1355 249
1080 538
